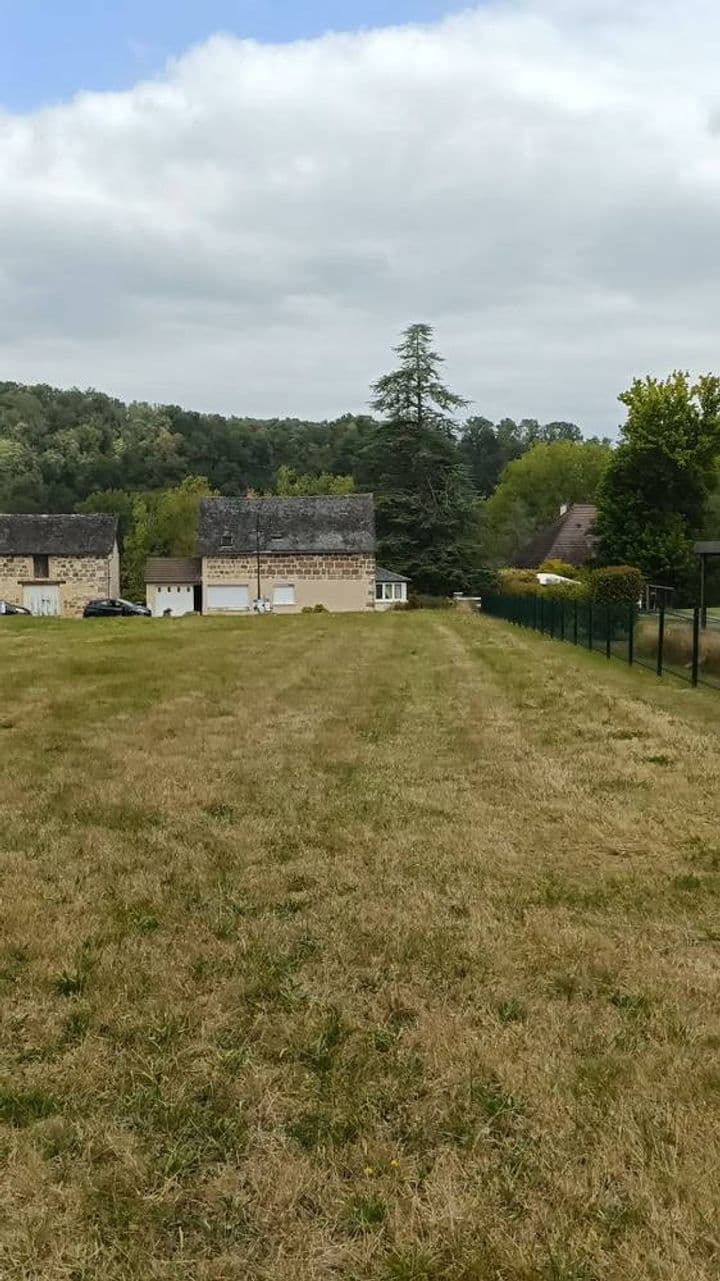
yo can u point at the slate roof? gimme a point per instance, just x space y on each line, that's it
173 569
569 538
31 535
389 576
322 525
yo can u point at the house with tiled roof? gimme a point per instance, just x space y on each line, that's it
55 564
287 554
569 538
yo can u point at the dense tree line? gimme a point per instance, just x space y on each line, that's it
432 471
59 447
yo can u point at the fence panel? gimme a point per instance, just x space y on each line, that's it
678 645
709 655
622 629
647 640
668 641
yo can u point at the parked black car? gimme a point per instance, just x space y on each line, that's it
7 607
114 609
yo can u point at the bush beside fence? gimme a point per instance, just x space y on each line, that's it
667 642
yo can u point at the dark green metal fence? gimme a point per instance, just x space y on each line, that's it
668 642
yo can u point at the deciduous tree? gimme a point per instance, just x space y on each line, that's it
532 490
653 497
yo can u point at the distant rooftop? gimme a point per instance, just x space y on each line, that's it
569 538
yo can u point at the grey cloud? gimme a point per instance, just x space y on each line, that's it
250 231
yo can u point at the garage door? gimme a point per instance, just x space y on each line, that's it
233 599
42 600
179 600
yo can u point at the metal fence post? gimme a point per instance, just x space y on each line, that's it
575 623
631 636
696 645
608 630
590 623
562 620
552 618
660 640
542 614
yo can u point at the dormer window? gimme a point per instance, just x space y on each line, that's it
227 540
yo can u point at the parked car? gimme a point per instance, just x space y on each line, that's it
7 607
108 608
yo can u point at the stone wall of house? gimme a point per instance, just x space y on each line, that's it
342 583
13 571
79 579
115 572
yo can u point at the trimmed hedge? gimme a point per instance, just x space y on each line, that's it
560 567
518 582
615 583
523 582
565 591
609 586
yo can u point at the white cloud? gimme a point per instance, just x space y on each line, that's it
539 179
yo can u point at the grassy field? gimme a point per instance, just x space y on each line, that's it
366 948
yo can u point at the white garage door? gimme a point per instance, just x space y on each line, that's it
179 600
42 600
233 599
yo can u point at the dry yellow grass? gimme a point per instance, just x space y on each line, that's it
380 949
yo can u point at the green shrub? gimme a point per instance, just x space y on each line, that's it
615 583
320 609
420 600
565 591
523 582
560 567
485 581
518 582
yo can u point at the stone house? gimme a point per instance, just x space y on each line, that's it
290 553
56 564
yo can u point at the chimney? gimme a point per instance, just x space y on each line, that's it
564 509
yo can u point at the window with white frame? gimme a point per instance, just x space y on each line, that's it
283 594
390 591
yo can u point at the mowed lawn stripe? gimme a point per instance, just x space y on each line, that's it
371 948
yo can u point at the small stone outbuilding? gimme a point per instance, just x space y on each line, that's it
55 564
173 585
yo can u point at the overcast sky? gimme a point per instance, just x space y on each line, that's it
247 229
